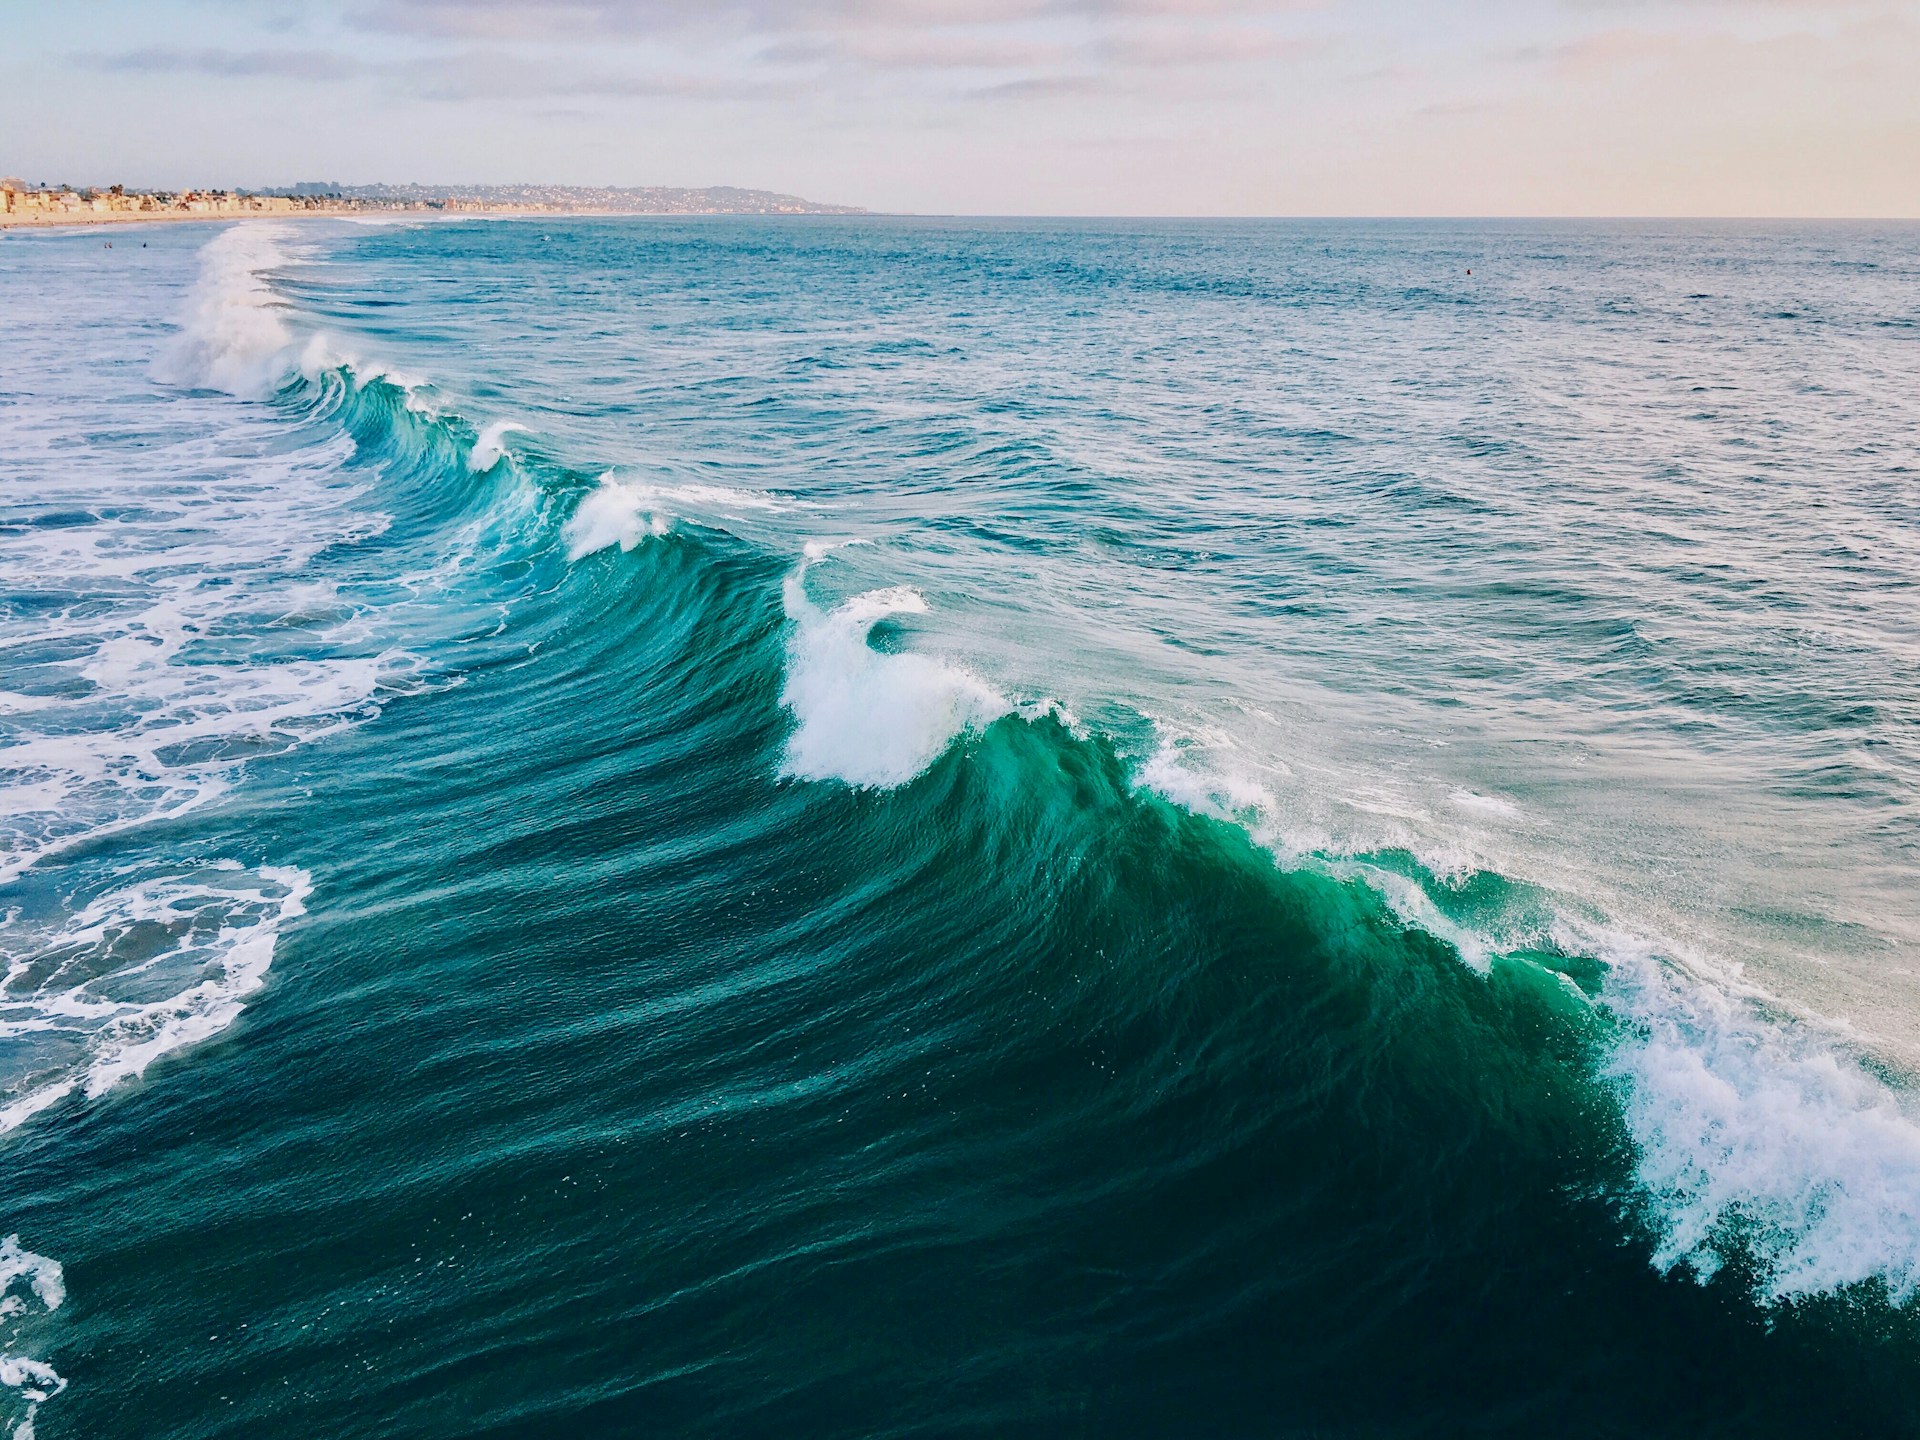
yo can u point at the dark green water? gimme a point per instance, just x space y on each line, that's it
724 1002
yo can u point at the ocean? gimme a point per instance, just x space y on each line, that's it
865 827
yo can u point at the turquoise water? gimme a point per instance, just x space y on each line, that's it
884 827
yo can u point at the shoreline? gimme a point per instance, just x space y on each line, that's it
163 217
19 221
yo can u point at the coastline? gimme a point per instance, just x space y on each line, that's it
37 221
161 217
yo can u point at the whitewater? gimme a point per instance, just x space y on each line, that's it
1277 812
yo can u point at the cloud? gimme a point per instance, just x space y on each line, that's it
500 75
1731 6
583 21
456 76
1456 107
1169 46
1611 51
1040 87
281 64
965 50
933 50
1797 55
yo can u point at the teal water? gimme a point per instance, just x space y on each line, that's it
936 828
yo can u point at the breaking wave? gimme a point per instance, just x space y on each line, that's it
232 334
685 766
865 716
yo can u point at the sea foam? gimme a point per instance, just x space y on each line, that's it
489 447
141 713
142 970
155 735
233 336
612 513
866 717
1760 1136
626 512
30 1286
177 632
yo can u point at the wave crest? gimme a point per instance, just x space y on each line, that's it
1760 1140
613 513
626 512
490 446
866 717
232 334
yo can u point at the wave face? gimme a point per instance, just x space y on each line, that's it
727 828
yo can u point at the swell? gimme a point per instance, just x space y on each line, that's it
295 576
1759 1142
241 598
1732 1139
915 989
1132 1101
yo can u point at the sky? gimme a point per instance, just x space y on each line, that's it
1116 107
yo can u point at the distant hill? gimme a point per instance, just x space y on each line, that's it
643 199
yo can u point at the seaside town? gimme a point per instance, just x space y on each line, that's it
43 204
23 203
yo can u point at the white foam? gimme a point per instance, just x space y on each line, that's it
716 499
155 736
626 512
868 718
612 513
143 970
1413 907
1206 787
32 1382
323 355
1192 776
233 336
1758 1134
489 447
814 550
178 631
135 715
43 1276
1483 804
